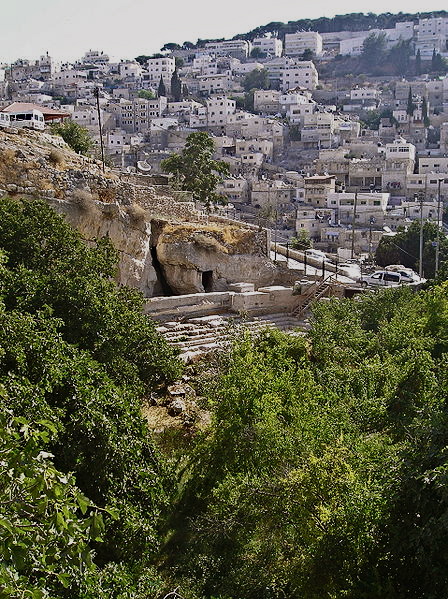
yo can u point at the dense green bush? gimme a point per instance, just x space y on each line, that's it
77 351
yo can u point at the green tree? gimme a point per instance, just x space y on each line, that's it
302 241
77 137
161 90
197 170
78 352
257 53
434 61
307 55
170 47
410 107
418 63
142 59
46 523
373 50
403 248
399 55
179 62
176 86
438 63
256 79
146 94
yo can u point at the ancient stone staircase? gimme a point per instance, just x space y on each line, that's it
196 337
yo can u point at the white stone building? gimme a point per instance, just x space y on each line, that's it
297 43
300 74
235 48
159 67
271 46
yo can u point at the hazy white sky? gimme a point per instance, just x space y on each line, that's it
127 28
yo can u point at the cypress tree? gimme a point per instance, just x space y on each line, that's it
418 63
434 60
176 86
425 117
161 90
411 106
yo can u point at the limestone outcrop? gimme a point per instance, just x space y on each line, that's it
195 259
164 245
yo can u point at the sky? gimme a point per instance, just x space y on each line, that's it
127 28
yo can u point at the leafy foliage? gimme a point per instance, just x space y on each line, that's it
322 457
197 170
404 248
46 523
77 137
256 79
77 351
161 90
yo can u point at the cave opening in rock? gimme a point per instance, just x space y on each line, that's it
207 280
162 286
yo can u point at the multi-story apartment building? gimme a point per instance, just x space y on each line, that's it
319 130
42 69
297 43
95 57
317 188
136 115
267 100
214 84
358 207
432 35
235 48
300 74
129 69
271 193
262 146
270 46
234 189
430 164
159 67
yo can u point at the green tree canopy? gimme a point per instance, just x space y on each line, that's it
146 94
404 248
196 169
77 351
256 79
373 49
77 137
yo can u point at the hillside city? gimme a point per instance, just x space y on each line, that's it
224 315
313 152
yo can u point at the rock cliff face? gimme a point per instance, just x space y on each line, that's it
131 237
164 245
210 257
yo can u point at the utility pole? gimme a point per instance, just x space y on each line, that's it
355 202
96 93
420 266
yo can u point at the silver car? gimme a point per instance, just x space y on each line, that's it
382 278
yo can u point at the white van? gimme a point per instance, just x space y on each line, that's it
5 120
29 119
381 278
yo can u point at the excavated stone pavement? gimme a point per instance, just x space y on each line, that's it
195 337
